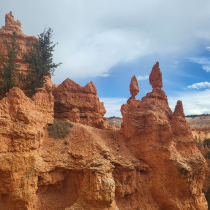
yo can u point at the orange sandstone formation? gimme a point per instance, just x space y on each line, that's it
79 104
134 88
155 78
163 140
151 164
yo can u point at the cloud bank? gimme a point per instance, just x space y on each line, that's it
95 36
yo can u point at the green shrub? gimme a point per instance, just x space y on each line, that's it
207 195
206 142
59 129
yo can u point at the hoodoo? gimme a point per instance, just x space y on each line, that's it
134 88
163 140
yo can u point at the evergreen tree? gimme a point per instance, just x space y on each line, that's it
40 60
8 76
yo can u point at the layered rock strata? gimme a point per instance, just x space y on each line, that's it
79 104
199 122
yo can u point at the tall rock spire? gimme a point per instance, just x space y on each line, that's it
155 77
134 88
179 111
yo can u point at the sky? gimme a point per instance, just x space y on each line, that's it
109 41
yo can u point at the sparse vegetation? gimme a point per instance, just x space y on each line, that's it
193 116
59 129
66 143
207 195
40 60
206 142
8 66
207 155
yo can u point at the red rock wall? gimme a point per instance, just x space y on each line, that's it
79 104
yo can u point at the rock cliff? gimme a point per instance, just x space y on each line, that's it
79 104
151 164
199 122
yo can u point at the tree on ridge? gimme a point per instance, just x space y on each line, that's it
8 76
40 60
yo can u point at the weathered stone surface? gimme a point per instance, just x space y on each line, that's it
152 163
79 104
22 120
199 122
155 77
163 140
134 88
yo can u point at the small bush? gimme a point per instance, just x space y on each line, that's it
206 142
207 155
59 129
66 143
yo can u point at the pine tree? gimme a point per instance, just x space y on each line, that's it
40 60
8 76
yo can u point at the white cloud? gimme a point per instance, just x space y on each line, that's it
194 102
200 60
200 85
204 61
208 48
113 105
94 36
206 68
142 77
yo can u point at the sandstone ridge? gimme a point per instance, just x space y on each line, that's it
152 163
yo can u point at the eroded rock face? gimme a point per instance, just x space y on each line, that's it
134 88
163 140
152 163
79 104
22 120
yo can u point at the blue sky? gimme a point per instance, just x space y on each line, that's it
108 42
